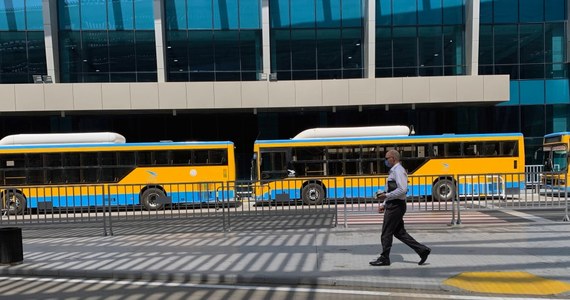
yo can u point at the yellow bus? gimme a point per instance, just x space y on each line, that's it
555 152
47 171
316 168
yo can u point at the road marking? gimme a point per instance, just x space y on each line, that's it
526 216
263 288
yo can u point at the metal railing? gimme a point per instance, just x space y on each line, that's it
293 202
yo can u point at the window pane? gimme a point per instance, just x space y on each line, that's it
486 44
279 14
120 14
122 51
34 17
249 14
429 12
95 52
430 46
352 48
531 10
177 51
405 12
12 15
144 14
329 49
175 13
145 51
531 43
226 54
486 11
506 44
383 47
405 47
250 49
555 10
36 53
328 13
535 71
383 12
281 47
225 14
303 13
453 11
506 11
554 42
93 14
303 49
201 50
200 14
352 13
69 15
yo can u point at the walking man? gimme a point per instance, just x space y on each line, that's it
394 208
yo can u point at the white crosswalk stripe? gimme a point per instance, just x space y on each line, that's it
370 217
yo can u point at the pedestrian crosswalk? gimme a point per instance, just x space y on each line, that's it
371 217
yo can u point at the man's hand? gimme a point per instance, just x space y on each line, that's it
381 208
381 196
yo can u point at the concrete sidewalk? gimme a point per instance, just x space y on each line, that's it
320 256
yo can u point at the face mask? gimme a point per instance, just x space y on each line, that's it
387 164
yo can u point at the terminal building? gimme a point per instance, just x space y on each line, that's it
242 70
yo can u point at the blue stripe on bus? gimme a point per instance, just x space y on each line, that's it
126 199
421 190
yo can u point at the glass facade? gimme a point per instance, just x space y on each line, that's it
213 40
106 41
22 43
316 39
420 38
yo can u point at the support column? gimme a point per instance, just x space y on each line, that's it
265 38
51 28
160 38
472 18
369 42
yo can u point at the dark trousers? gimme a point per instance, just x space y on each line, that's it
393 226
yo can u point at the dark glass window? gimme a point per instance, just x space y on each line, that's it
404 46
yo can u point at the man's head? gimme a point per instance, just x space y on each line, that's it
392 158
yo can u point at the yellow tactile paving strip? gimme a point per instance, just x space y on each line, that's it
520 283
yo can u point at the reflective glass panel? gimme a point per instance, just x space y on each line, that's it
429 12
405 12
12 15
225 14
430 46
200 14
383 12
249 14
506 11
175 12
226 56
531 40
34 17
554 45
201 50
303 13
531 10
329 52
405 47
486 11
303 56
383 47
145 51
279 14
453 11
352 48
352 13
120 15
144 15
328 13
555 10
486 44
93 14
122 54
506 44
69 15
250 49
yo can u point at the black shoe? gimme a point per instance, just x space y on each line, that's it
380 261
424 256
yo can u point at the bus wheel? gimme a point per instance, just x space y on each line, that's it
313 194
15 202
149 198
443 190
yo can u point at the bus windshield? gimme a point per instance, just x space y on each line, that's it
555 158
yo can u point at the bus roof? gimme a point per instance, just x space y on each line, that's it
388 138
557 134
82 146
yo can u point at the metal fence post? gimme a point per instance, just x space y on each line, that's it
345 208
455 199
104 207
566 218
109 207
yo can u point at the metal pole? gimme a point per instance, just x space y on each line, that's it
109 207
104 208
456 197
566 218
345 209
